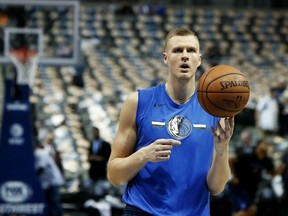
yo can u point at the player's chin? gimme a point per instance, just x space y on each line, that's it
186 75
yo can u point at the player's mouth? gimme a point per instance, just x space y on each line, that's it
184 67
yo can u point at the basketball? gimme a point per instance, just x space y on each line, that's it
223 91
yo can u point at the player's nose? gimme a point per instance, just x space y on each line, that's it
184 57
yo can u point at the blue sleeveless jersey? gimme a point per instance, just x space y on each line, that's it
176 186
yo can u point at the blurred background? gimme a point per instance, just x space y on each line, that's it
92 54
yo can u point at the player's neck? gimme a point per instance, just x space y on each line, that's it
180 95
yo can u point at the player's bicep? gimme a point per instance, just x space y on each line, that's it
124 142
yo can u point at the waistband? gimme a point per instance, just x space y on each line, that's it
130 210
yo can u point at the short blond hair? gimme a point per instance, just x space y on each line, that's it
179 32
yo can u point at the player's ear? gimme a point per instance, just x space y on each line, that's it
165 58
200 59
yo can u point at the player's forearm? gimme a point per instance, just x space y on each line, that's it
219 173
122 170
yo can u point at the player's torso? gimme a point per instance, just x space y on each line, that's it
159 117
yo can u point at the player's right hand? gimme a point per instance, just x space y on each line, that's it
159 150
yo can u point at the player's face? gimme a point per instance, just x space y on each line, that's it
182 55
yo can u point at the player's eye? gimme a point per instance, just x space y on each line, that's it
191 50
177 50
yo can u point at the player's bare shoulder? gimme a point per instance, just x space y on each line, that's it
132 100
133 97
130 105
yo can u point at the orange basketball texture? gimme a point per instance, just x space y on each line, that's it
223 91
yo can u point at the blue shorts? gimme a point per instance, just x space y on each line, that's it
130 210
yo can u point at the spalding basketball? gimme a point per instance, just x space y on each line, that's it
223 91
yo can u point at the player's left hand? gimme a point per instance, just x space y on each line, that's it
222 135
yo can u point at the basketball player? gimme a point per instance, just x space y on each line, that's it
170 151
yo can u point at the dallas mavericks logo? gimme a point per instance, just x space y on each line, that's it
179 127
